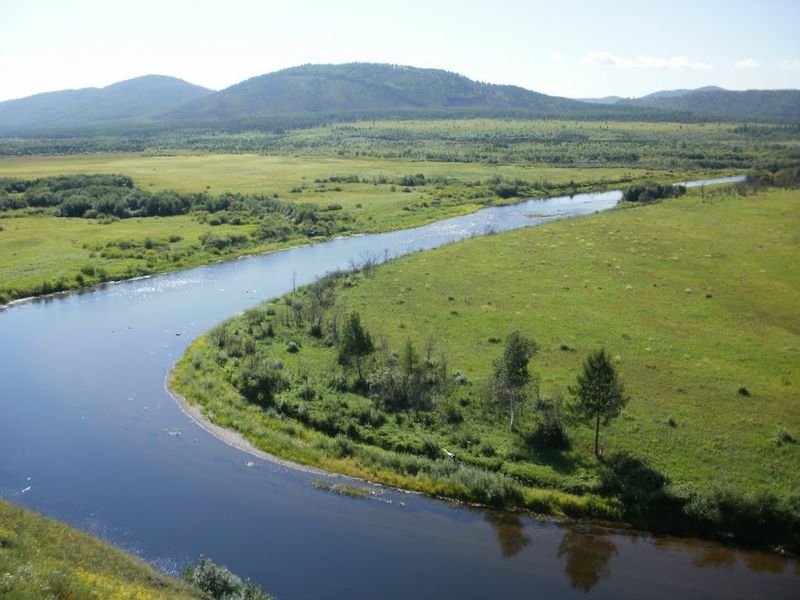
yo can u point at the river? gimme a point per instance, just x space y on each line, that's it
89 435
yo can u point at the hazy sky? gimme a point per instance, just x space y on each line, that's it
571 48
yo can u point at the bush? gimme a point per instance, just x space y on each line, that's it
259 378
220 583
652 192
784 437
460 378
551 429
212 578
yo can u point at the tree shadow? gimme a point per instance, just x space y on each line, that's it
642 489
510 532
563 461
587 558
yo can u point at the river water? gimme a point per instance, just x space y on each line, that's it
89 435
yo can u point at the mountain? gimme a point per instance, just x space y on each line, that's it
654 96
780 104
357 90
362 87
678 93
133 100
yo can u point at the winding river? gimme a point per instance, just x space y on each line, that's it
89 435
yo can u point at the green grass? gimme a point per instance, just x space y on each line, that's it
41 558
487 141
694 298
42 253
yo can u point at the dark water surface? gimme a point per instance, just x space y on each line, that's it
89 435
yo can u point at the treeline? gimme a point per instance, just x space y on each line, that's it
578 143
115 196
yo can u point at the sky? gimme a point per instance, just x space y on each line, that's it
573 48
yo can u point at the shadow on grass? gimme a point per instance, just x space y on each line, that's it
650 501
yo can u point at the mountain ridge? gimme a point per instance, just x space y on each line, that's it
371 89
135 99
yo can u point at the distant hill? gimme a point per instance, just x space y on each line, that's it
782 104
363 87
603 100
352 91
681 92
127 101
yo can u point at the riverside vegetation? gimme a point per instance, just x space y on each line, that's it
172 210
387 373
61 232
42 558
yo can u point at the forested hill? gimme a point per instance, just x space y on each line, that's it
776 104
360 91
133 100
364 87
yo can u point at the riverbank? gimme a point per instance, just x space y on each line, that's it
42 558
674 441
46 254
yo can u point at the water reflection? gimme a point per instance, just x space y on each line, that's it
510 532
588 556
705 554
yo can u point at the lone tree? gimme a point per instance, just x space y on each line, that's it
599 393
511 375
354 343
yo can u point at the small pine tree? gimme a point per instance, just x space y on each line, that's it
599 393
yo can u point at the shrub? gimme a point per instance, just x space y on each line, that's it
460 378
784 437
259 378
292 347
652 192
212 578
551 429
220 583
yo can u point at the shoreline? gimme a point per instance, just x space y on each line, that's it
500 202
237 440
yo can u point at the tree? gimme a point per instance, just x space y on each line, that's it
354 343
511 375
599 392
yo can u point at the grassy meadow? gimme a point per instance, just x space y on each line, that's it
42 558
695 298
492 141
42 252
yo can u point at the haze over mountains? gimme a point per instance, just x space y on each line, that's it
133 100
358 87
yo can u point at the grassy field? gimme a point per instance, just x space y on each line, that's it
43 253
495 141
253 173
41 558
695 298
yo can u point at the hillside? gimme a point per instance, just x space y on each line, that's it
126 101
358 90
663 94
42 558
363 87
780 104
